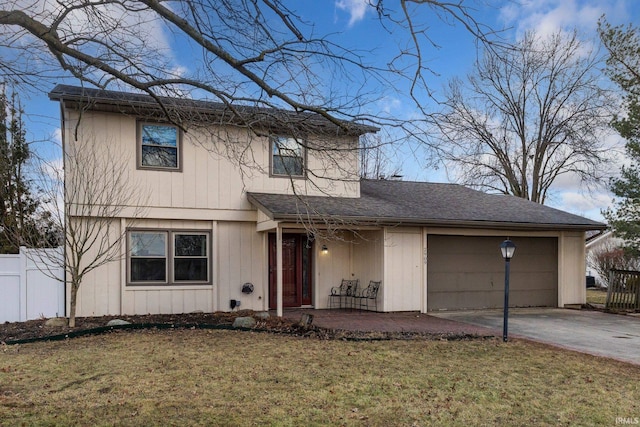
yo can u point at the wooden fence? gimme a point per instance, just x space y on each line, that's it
624 290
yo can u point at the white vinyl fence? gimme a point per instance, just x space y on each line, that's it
27 290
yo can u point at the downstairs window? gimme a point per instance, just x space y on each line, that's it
168 257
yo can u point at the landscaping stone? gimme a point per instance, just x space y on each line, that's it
117 322
305 320
244 322
56 322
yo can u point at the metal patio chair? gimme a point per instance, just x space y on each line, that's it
368 294
344 293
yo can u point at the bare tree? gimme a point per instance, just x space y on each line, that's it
260 53
611 257
526 116
88 206
241 53
375 159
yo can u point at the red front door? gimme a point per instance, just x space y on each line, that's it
296 271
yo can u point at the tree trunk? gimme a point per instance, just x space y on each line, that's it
72 305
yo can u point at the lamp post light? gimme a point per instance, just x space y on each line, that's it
507 248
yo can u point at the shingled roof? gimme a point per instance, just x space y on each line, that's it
216 112
425 204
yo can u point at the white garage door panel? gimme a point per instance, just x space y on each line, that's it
468 272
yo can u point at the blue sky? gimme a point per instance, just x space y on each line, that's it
456 53
355 25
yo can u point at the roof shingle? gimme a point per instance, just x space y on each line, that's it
423 203
142 104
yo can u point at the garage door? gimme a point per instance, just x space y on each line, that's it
467 272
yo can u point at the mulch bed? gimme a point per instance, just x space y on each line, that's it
36 330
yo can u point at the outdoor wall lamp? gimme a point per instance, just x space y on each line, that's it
324 249
508 248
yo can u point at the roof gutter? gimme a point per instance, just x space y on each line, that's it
412 222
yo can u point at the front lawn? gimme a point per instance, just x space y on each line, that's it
211 377
596 296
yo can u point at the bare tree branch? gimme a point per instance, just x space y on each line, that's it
87 206
528 115
244 52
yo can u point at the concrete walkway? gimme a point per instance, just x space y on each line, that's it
601 334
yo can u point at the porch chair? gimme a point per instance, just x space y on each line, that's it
344 293
370 293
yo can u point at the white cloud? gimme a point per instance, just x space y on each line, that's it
549 16
54 168
57 136
389 105
179 71
589 205
139 32
586 202
110 22
356 9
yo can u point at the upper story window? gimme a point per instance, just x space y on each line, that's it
158 146
287 157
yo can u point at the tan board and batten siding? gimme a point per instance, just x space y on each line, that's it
415 264
208 180
207 194
403 273
426 269
238 257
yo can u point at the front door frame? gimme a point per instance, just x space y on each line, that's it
303 271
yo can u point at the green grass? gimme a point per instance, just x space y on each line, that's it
600 296
197 377
596 296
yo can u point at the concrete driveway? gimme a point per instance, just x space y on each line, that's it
592 332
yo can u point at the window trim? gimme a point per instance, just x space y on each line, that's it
139 165
301 143
170 257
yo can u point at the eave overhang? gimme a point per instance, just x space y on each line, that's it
370 221
209 112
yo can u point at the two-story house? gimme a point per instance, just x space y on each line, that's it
283 209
